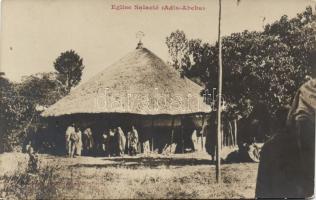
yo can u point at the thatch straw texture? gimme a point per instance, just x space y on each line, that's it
139 83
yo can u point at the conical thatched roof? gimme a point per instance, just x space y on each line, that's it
139 83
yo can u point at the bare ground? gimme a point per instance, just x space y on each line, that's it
155 176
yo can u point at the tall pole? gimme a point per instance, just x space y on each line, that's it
220 75
235 132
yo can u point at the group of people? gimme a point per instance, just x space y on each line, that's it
113 142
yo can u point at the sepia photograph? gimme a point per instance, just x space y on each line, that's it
166 99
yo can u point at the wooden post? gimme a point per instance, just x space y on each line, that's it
203 118
182 139
220 76
172 132
231 134
222 138
235 132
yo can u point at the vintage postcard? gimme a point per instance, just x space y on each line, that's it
166 99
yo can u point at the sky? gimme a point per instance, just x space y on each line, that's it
35 32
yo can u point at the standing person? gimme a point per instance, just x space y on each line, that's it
121 141
128 142
146 147
210 131
111 143
78 143
116 144
33 159
194 139
133 141
105 143
70 139
87 140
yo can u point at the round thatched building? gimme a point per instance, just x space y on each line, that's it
139 89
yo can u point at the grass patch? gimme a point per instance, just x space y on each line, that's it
24 185
100 178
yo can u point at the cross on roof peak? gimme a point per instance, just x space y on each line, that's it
140 35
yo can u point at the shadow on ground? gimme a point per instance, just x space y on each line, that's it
133 163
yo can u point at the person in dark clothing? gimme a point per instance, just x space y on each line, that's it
286 167
132 141
87 141
287 160
210 130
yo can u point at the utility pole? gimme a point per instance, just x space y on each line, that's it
219 110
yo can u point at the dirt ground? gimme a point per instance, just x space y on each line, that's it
179 176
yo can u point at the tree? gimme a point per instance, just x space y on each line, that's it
13 108
43 89
191 57
259 67
177 44
299 35
22 103
19 107
69 65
